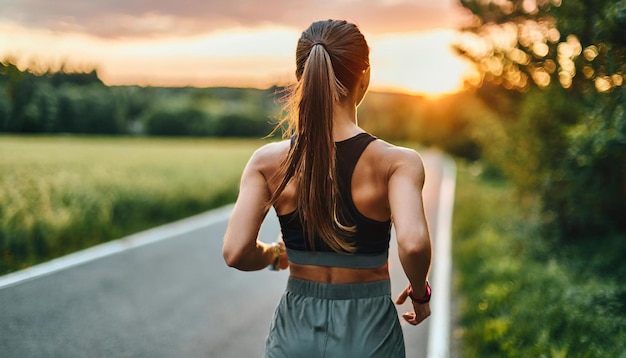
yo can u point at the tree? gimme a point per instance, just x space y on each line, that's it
553 71
242 125
173 121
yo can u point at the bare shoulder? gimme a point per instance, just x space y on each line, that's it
269 156
397 158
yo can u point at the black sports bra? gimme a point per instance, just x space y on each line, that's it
371 237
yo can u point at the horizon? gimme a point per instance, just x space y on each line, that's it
158 46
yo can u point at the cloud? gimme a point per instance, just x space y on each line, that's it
149 18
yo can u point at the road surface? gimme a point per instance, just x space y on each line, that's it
171 298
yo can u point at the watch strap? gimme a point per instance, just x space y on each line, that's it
420 300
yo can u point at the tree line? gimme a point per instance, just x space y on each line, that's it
57 102
80 103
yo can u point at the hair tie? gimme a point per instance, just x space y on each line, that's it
319 43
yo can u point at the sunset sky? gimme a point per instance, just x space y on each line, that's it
230 43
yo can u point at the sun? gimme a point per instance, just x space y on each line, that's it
416 63
421 63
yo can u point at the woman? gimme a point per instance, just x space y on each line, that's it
335 189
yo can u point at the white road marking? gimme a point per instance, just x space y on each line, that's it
439 329
133 241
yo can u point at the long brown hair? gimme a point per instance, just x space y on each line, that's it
330 58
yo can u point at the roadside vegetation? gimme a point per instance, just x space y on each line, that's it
519 296
539 229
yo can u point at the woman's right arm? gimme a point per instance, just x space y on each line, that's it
241 248
406 181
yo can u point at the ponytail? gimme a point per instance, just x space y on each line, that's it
311 158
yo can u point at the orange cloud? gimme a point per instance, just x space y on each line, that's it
232 43
143 18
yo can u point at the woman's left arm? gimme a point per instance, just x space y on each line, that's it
241 248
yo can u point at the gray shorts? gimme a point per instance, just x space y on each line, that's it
335 320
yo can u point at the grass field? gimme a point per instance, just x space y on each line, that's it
61 194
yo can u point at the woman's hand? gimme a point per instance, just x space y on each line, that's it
283 262
421 311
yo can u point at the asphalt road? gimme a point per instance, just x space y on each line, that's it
172 298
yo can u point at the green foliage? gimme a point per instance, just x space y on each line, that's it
178 122
520 298
47 104
60 102
554 75
240 125
62 194
573 159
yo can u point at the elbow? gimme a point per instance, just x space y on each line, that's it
415 243
232 258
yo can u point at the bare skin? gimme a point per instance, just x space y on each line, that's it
387 182
338 274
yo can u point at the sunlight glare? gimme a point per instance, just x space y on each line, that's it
416 63
419 63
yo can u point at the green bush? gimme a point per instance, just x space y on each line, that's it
571 158
518 297
178 122
240 125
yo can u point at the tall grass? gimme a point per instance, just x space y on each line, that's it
520 294
61 194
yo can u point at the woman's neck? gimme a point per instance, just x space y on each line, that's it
345 123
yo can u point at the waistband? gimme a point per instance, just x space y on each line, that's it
339 291
322 258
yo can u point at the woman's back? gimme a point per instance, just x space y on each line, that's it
368 185
335 189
